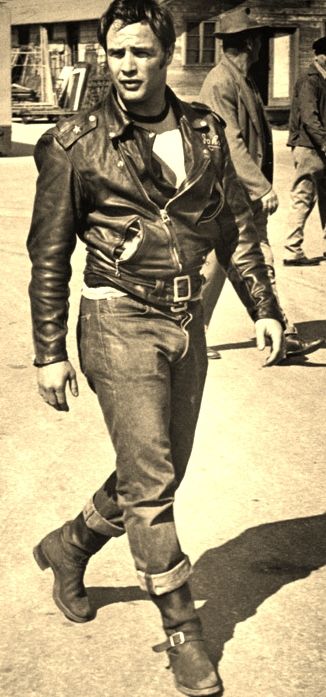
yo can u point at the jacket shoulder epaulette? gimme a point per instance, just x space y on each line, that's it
200 106
207 110
219 119
68 131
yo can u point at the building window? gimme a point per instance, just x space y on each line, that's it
200 43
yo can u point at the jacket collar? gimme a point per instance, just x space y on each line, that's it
118 121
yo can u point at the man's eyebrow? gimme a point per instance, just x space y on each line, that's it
133 47
116 50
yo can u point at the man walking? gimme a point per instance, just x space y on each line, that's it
135 180
230 91
307 138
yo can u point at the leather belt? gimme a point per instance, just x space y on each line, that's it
171 292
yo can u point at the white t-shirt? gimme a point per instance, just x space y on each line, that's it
168 147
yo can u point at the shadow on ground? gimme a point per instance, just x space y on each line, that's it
236 578
236 345
312 329
21 150
307 330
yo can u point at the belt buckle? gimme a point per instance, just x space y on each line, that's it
178 295
177 638
180 307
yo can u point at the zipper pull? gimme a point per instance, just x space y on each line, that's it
117 272
165 217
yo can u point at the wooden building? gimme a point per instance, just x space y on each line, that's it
71 36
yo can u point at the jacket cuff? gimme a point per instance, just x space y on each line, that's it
41 361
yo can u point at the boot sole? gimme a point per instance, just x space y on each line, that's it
304 352
203 692
44 563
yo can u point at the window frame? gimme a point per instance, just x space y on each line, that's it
201 36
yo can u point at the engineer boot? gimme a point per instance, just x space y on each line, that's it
67 551
194 673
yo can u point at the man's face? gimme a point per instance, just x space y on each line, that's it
321 58
256 46
137 64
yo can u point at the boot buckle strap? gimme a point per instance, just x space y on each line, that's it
177 639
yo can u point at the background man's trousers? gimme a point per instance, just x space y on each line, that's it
215 275
308 187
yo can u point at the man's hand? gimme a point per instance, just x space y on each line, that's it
52 380
269 202
269 332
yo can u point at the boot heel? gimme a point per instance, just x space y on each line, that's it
40 558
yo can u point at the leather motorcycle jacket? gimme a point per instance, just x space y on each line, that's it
91 184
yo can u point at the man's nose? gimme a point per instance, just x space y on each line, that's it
128 63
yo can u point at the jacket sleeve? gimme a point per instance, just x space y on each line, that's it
246 269
310 114
51 241
222 97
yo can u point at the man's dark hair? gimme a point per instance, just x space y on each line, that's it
133 11
319 46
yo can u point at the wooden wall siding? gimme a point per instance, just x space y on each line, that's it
188 80
88 32
46 11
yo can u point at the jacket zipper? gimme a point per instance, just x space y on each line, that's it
173 248
165 218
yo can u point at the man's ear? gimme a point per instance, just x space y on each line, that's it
249 42
169 54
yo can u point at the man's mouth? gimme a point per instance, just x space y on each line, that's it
131 84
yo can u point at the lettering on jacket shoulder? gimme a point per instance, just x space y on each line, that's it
212 142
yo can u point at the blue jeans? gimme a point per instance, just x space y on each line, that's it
148 368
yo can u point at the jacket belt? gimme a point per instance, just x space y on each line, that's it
179 289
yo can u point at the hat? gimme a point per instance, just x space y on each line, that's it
237 21
319 45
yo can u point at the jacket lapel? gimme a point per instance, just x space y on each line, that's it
244 90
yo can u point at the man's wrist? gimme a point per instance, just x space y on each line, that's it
43 364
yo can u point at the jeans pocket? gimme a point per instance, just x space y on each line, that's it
83 333
124 307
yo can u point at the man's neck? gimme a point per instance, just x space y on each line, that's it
143 108
241 60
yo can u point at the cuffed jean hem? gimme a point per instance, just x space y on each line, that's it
96 522
158 584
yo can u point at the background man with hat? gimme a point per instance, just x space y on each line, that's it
230 91
307 137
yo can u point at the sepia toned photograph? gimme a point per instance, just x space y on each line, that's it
163 246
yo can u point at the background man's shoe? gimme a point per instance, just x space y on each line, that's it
301 261
213 353
294 346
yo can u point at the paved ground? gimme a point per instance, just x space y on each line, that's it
251 511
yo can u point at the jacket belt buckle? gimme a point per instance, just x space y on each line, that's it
176 639
181 288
